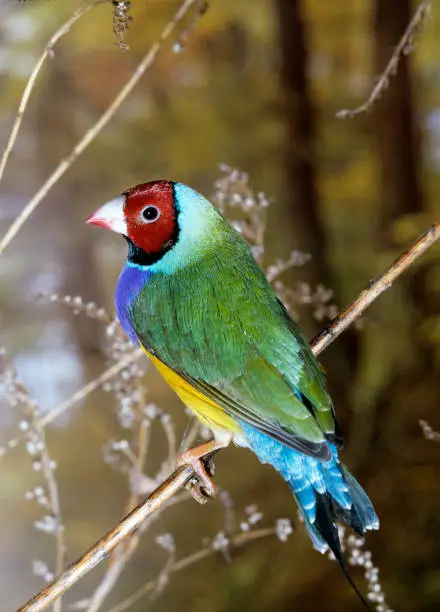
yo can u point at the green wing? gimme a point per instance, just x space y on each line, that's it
220 326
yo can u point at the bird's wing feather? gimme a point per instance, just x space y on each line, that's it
212 406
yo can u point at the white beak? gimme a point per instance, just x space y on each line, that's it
111 216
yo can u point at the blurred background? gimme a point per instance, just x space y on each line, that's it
256 85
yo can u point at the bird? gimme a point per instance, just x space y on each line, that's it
192 296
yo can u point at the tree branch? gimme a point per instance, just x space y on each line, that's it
77 397
405 46
18 395
180 477
91 134
47 52
236 541
101 549
377 286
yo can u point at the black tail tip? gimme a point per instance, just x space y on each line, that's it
325 525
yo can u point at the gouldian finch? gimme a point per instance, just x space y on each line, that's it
193 297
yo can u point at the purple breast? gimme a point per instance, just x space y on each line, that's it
130 283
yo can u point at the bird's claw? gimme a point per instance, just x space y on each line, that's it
200 458
197 491
201 486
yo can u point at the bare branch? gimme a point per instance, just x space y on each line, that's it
118 562
91 134
236 541
101 549
405 46
78 396
123 553
76 304
47 52
18 396
93 385
181 476
376 287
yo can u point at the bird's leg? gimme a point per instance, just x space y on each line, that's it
199 459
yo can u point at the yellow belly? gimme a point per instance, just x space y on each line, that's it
203 407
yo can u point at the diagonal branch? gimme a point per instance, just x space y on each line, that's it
405 46
78 396
91 134
376 286
99 551
180 477
47 52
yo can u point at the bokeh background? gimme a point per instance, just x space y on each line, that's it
256 86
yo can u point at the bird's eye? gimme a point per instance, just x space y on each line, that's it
151 214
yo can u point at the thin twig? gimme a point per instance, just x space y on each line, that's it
121 22
76 304
92 386
111 576
77 397
191 433
141 445
235 542
20 395
179 478
91 134
171 439
405 45
376 287
123 553
47 52
54 500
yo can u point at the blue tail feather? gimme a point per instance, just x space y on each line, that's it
361 502
324 491
310 480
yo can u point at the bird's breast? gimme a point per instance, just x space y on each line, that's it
131 281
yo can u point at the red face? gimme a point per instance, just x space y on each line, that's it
151 216
146 214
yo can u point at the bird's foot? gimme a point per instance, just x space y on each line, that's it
201 485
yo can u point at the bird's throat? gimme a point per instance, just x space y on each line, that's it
139 257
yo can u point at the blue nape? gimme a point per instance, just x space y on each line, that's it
308 478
